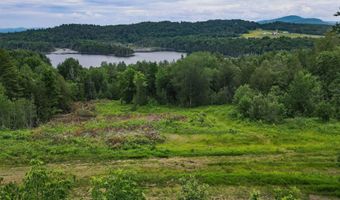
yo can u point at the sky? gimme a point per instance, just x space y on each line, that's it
49 13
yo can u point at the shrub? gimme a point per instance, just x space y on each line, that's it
266 108
255 195
192 189
39 183
200 119
117 186
287 194
257 106
243 99
303 94
324 111
16 114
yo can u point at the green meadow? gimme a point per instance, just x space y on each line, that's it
259 33
161 144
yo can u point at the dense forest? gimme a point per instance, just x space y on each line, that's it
198 36
231 46
267 87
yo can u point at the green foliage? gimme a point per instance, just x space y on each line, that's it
219 153
192 79
201 119
266 108
288 194
127 86
324 111
257 106
326 66
232 46
36 90
9 76
301 28
329 43
96 47
117 186
39 183
303 94
213 35
140 98
70 69
192 189
165 88
301 80
334 89
16 114
255 195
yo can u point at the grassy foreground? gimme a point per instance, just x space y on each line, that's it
161 144
259 33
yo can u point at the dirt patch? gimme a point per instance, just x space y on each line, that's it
133 137
130 136
80 112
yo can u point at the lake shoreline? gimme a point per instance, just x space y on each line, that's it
94 60
63 51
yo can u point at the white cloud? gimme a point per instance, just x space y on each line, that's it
42 13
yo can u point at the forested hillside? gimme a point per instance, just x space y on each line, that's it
112 39
267 87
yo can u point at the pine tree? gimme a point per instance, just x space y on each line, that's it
9 76
140 98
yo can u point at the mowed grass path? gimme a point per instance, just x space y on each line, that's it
232 155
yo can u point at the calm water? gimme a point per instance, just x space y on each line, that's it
96 60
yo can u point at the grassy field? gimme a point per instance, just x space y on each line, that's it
259 33
161 144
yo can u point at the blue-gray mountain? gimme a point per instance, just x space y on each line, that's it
12 30
297 20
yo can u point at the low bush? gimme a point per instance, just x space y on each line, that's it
39 183
292 193
192 189
256 106
118 186
324 111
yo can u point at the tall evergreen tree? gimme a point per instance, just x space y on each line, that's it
140 98
126 85
9 76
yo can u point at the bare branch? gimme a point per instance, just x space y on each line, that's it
337 14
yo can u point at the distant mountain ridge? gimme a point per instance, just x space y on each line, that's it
297 20
12 30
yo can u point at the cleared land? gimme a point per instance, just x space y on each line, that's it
259 33
161 144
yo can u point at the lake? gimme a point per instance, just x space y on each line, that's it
96 60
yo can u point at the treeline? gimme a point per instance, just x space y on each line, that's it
293 28
230 46
135 32
82 46
104 39
33 46
93 47
267 87
31 90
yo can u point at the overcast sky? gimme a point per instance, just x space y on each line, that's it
47 13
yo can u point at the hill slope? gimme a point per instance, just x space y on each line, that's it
187 36
297 20
12 30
